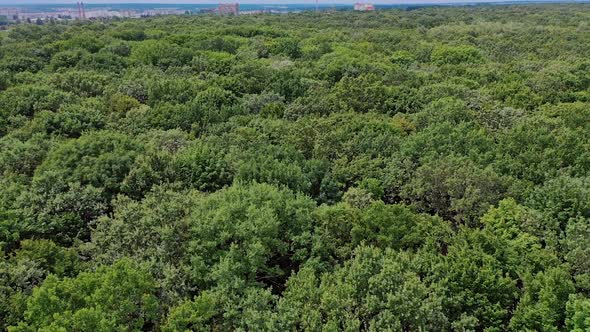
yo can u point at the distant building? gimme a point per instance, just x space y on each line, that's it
208 10
11 14
364 7
229 9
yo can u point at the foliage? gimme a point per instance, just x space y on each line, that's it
112 298
420 169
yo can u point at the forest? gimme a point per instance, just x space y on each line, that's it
399 170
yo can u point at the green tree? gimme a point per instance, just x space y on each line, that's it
578 310
455 55
542 306
375 290
122 296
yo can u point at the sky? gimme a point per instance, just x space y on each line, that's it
2 2
13 2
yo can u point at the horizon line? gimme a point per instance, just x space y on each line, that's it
290 3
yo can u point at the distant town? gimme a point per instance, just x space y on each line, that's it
81 11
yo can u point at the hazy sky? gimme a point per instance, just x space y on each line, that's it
12 2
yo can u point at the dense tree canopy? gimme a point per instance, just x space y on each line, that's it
401 170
